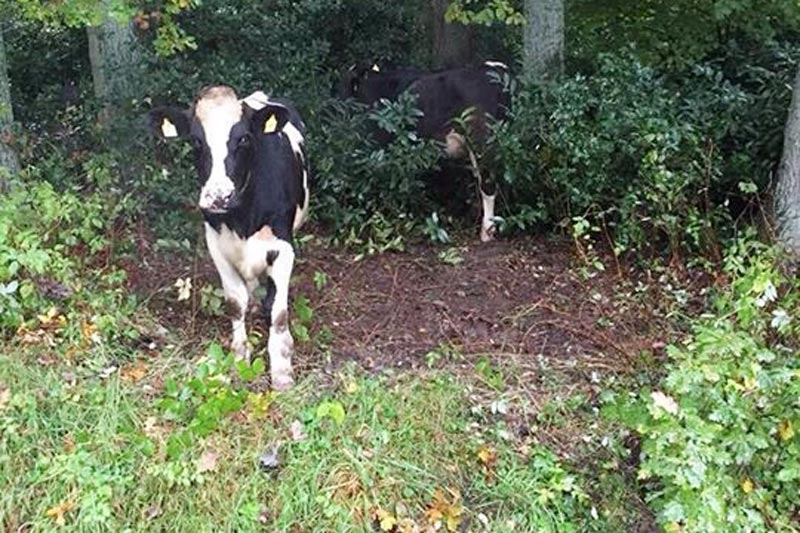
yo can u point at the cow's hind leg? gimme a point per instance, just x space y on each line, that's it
488 228
276 306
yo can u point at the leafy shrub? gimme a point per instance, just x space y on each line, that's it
622 148
366 191
53 247
720 443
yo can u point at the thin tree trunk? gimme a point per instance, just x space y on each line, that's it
452 43
787 190
115 58
544 39
8 157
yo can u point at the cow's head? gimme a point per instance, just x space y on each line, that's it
352 82
225 133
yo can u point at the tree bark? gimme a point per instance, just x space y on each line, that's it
8 157
787 189
115 58
543 54
452 43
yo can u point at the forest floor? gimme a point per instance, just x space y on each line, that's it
453 388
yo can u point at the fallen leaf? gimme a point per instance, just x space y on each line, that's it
5 396
134 372
351 388
747 485
269 459
184 286
386 519
296 430
58 511
406 525
444 510
786 430
207 462
259 403
69 443
667 403
153 511
488 456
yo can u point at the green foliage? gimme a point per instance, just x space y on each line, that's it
625 151
46 238
484 12
371 194
720 446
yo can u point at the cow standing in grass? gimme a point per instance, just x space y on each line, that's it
442 97
251 160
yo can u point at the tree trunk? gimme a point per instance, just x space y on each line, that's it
8 157
116 61
544 39
787 190
452 43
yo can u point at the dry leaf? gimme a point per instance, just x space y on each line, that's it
207 462
747 485
443 510
69 443
386 519
134 372
351 388
184 287
487 456
5 396
786 430
296 429
665 402
57 512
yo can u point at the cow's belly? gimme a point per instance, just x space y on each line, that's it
247 256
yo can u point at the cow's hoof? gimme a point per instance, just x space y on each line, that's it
282 382
487 234
241 353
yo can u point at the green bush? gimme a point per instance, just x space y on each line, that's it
624 149
52 249
365 191
720 449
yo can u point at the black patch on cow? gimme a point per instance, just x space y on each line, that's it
274 187
282 321
272 255
268 301
233 310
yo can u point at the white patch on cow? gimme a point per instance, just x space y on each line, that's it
296 141
455 145
256 101
224 252
168 129
496 64
241 262
217 110
487 223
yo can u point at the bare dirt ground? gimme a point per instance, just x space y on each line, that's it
520 300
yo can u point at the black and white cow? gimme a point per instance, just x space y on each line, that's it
253 170
443 96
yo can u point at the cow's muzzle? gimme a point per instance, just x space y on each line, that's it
219 203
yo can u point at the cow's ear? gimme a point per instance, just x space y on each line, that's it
269 119
169 122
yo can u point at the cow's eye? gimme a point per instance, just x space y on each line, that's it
244 141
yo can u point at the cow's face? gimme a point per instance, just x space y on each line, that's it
225 132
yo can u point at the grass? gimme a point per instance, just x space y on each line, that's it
84 448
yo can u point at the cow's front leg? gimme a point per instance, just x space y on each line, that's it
280 344
236 295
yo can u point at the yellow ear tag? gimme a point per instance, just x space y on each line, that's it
168 129
271 124
376 68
